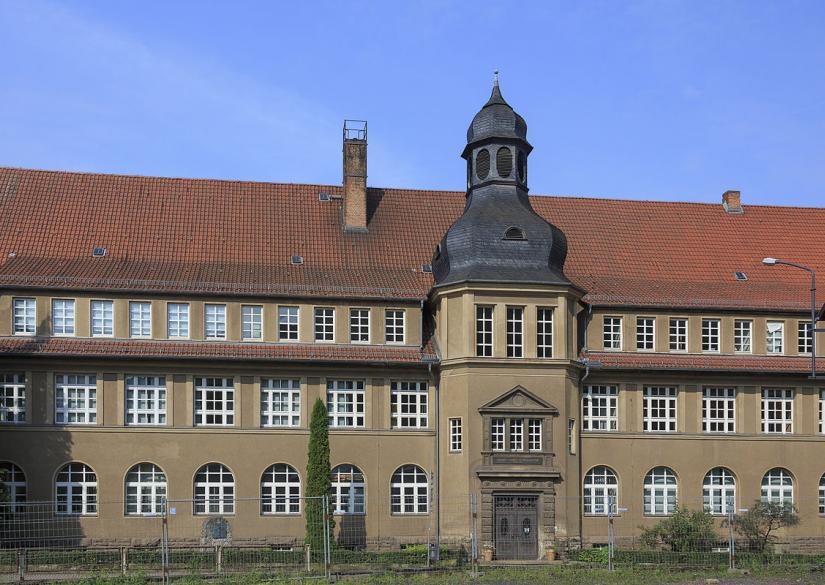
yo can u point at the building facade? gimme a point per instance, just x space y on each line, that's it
165 339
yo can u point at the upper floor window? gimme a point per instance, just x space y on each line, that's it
805 340
280 402
345 403
645 333
103 318
516 434
678 334
252 322
599 408
777 410
742 335
145 400
659 409
177 320
75 399
601 490
718 410
484 331
324 324
515 332
12 398
408 404
359 325
214 402
710 335
822 411
544 332
612 333
140 319
776 336
24 316
215 321
456 435
288 323
394 325
63 316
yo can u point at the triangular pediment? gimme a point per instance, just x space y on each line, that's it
519 400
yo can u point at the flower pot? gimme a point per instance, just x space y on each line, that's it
488 554
551 554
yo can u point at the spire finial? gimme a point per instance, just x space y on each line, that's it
495 78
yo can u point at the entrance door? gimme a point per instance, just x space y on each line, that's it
516 527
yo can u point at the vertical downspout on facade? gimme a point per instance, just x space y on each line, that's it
578 405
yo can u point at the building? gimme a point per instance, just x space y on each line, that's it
166 338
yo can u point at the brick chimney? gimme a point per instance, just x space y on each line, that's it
731 202
355 175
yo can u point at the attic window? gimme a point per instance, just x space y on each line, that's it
99 252
323 196
514 233
297 259
740 276
426 268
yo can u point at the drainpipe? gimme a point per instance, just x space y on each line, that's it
578 405
437 479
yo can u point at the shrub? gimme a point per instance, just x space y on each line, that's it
684 531
758 524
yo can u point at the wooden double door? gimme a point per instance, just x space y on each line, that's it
516 526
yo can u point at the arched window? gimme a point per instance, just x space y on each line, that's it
822 494
280 490
601 488
483 163
214 490
777 486
348 490
409 490
504 161
15 482
76 490
514 233
145 490
660 491
719 491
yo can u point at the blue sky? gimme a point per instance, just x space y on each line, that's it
661 100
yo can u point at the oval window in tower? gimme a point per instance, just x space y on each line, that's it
504 162
521 165
483 163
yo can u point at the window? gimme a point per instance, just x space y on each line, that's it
76 490
140 319
822 411
719 491
12 398
678 334
24 316
345 403
177 320
394 325
280 403
145 490
408 404
456 438
544 332
612 334
280 490
348 490
742 335
601 489
214 490
659 409
252 322
63 316
359 325
103 318
777 410
497 434
288 323
777 487
660 492
516 434
214 402
718 410
571 436
822 494
515 332
215 327
776 336
645 333
75 399
805 339
409 490
599 408
324 324
14 481
145 400
534 434
484 331
710 335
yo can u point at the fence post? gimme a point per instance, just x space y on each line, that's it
123 560
473 533
218 559
21 564
308 555
164 542
610 504
327 552
731 539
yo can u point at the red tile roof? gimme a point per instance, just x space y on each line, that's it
717 363
194 236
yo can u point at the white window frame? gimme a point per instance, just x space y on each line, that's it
743 335
252 322
177 320
535 434
395 326
289 323
612 333
645 333
75 399
16 486
718 488
214 401
678 334
359 325
409 406
325 324
822 495
600 408
145 489
571 436
213 491
349 491
775 337
280 490
777 411
484 330
140 319
345 403
409 491
515 332
102 318
12 398
24 315
544 332
515 435
456 435
659 409
777 487
822 410
498 440
63 317
75 490
804 338
718 409
214 321
711 335
600 486
280 402
661 490
146 400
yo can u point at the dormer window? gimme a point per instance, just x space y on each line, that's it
514 233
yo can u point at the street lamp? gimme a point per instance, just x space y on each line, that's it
813 329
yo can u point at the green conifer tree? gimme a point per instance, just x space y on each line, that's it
318 477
